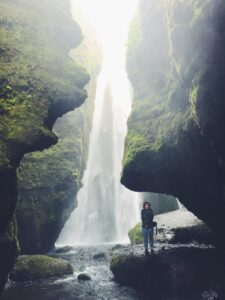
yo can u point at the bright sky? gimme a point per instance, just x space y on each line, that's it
111 18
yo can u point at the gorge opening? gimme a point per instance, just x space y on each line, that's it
106 209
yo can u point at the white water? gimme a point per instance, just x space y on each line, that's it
180 205
106 210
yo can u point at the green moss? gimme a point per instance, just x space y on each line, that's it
39 266
135 235
117 260
38 83
49 180
178 108
34 76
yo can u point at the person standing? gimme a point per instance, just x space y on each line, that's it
147 226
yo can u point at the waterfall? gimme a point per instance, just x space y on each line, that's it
106 209
180 205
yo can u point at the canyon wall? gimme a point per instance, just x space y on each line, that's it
48 181
39 83
175 142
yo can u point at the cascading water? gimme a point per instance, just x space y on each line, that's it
180 205
106 210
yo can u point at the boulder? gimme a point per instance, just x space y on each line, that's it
99 256
33 267
172 270
84 276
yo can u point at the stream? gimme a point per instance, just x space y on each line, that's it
95 261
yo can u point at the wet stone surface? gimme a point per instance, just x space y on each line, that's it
101 286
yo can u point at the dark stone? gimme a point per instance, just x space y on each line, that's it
84 276
116 247
99 256
174 270
64 249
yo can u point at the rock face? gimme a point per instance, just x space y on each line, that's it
48 181
160 203
39 266
39 83
179 226
173 270
175 141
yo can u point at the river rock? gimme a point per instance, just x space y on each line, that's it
117 246
64 249
174 270
84 276
99 256
33 267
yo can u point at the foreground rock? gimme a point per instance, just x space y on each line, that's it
179 226
39 266
173 270
84 276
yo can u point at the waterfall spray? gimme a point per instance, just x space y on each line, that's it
106 209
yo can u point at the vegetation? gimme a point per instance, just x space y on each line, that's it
39 266
174 143
48 181
38 83
34 76
136 235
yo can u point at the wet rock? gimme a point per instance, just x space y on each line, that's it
209 295
99 256
179 226
175 144
174 270
33 267
84 276
64 249
116 247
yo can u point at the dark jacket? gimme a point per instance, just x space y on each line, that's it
147 218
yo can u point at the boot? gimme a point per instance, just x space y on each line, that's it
146 251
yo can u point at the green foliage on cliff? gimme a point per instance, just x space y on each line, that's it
35 72
166 89
38 83
48 181
175 142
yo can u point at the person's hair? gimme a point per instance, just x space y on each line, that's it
146 202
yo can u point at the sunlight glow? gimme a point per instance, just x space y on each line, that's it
106 209
111 19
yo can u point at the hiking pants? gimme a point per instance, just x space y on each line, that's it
148 236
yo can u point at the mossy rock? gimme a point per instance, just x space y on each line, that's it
39 266
135 235
182 269
175 143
